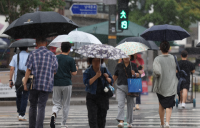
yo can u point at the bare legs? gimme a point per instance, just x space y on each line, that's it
184 95
181 96
168 114
162 114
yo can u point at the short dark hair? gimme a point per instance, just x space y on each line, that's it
23 48
164 46
40 39
132 58
184 54
65 46
89 60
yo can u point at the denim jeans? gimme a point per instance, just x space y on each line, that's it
138 99
21 102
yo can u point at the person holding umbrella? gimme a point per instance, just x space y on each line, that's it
95 77
43 64
165 85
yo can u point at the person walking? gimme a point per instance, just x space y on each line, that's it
122 72
62 89
22 96
43 64
140 65
165 85
188 67
95 77
58 51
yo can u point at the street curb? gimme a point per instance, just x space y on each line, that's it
50 103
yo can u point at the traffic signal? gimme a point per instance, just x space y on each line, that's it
123 14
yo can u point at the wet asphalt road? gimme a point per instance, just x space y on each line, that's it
147 117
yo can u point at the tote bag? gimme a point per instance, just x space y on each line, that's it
134 84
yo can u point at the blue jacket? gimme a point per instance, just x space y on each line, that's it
89 73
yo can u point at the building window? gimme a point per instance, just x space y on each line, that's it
68 4
103 8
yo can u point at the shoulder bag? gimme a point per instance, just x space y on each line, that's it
110 88
180 75
20 75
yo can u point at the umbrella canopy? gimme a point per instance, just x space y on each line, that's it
101 51
3 44
131 48
165 33
151 45
32 25
23 43
77 37
198 45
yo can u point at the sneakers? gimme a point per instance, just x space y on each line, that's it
52 123
167 125
129 125
64 126
162 126
183 105
22 118
120 125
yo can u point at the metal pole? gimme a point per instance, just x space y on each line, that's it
112 35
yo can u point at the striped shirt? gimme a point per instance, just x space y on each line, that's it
43 64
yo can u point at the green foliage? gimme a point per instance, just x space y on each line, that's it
13 9
174 12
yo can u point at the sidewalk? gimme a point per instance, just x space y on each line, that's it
150 99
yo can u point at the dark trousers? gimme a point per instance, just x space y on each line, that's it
37 99
21 101
138 99
97 107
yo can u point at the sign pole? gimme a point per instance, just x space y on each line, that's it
112 35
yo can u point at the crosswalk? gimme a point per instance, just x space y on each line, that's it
145 118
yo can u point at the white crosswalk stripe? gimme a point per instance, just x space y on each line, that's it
180 118
77 118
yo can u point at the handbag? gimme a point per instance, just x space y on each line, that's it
110 88
134 85
180 75
29 83
20 75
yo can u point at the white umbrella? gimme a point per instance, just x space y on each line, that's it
79 39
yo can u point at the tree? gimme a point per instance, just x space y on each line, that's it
13 9
174 12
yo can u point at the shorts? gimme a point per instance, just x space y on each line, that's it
166 102
185 86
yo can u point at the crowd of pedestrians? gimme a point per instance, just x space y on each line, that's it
53 73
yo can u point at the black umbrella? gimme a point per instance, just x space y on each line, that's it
165 33
23 43
198 45
46 24
151 44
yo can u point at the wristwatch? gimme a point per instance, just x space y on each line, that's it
10 80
